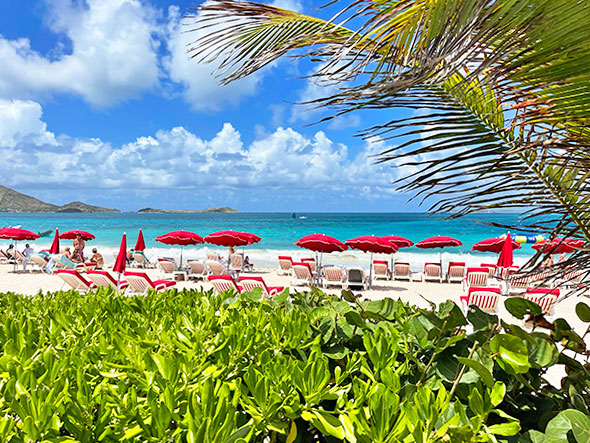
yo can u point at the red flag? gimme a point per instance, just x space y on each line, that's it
121 257
55 245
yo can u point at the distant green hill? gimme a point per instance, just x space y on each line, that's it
14 201
224 210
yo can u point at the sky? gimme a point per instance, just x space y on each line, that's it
99 102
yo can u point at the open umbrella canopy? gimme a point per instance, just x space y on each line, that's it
400 242
559 245
17 234
55 245
321 243
140 243
494 245
70 235
231 238
438 241
371 243
182 238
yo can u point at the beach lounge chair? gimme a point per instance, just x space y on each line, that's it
215 267
75 280
381 270
542 278
197 269
544 297
456 272
356 278
141 283
4 257
572 278
401 271
485 299
285 265
518 283
106 280
332 275
477 277
224 283
311 262
236 262
491 269
62 262
141 261
166 267
432 272
39 262
302 275
213 256
250 282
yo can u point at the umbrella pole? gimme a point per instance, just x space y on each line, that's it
118 281
440 260
181 248
371 271
15 257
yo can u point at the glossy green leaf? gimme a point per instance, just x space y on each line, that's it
512 353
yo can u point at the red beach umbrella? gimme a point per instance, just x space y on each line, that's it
494 245
321 243
438 241
70 235
55 245
121 261
182 238
231 238
372 244
17 234
400 242
505 259
140 244
559 245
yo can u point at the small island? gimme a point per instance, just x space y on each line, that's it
222 210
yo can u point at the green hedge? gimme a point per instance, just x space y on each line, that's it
190 366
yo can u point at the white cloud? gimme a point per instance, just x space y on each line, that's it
113 56
201 88
177 159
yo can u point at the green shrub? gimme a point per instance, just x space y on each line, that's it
190 366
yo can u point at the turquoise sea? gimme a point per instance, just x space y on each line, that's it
277 230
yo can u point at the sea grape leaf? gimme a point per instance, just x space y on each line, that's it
348 296
519 307
498 393
512 353
567 420
506 429
281 298
481 320
543 352
583 311
484 373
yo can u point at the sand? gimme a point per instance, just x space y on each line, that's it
416 292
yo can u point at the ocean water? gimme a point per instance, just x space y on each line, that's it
278 231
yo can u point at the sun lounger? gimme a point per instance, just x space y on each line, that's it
197 269
236 262
140 260
166 267
401 271
140 283
105 280
75 280
311 262
285 265
302 275
250 282
332 276
477 277
356 278
518 283
542 278
432 272
544 297
485 299
39 262
215 267
491 269
456 272
572 278
213 256
62 262
381 269
224 283
4 257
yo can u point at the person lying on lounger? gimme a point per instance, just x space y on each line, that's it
97 258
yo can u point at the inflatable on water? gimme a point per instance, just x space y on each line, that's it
525 238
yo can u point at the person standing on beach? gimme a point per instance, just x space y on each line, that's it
79 246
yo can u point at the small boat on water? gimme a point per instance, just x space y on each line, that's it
45 233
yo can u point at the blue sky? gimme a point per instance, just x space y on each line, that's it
100 103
